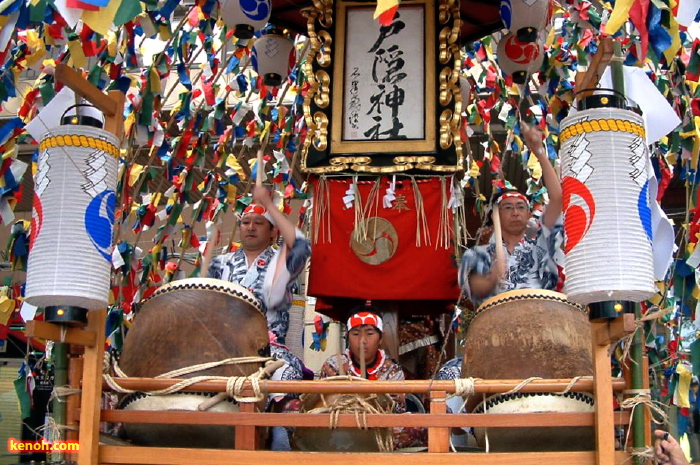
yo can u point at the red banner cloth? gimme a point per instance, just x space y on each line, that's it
389 264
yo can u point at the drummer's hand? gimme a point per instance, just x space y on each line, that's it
533 138
261 196
498 271
667 450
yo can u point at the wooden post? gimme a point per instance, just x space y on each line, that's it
92 391
438 438
75 372
246 436
604 415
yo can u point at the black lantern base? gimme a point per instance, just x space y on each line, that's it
526 34
65 315
272 79
244 31
520 77
608 310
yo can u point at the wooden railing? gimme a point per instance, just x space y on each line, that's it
247 421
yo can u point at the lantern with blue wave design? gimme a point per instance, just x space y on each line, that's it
69 263
525 18
245 16
274 56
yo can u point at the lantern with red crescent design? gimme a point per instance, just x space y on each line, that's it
607 215
519 59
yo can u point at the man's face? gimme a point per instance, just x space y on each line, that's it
365 338
514 214
256 232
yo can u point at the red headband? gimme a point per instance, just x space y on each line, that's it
512 195
258 210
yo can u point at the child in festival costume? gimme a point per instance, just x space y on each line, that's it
365 330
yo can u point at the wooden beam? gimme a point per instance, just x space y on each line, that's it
612 331
115 123
60 333
585 384
590 78
178 456
348 420
92 391
111 104
81 86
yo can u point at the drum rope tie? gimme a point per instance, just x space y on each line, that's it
465 388
522 384
642 397
654 313
234 384
646 452
61 392
569 386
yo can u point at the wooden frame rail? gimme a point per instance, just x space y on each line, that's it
247 421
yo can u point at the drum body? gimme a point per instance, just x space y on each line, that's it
530 333
342 439
185 323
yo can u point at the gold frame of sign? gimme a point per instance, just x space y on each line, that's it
340 71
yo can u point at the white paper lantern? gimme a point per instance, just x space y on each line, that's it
71 237
245 16
273 56
607 216
519 59
525 18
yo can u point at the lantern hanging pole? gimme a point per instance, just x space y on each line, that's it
112 104
618 77
590 78
638 414
58 406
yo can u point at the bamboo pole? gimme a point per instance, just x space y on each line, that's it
639 426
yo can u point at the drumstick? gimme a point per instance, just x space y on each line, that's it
260 170
363 363
339 356
500 254
259 178
206 257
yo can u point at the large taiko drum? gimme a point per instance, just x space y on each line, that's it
185 323
344 439
530 333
